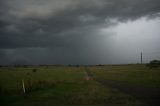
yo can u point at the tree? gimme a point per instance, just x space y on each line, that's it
154 64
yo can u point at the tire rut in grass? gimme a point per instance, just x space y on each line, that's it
147 95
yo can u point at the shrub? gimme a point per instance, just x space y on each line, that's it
154 64
34 70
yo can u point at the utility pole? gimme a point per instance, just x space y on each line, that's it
141 58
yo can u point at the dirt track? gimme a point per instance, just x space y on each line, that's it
147 95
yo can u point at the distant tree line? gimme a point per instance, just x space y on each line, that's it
25 66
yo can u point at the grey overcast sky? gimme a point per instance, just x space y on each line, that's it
79 31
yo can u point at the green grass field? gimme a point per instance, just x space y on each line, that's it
129 74
69 86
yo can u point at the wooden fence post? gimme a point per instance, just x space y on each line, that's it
23 86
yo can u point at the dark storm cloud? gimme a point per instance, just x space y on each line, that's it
67 26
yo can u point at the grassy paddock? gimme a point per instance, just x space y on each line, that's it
68 85
128 74
11 78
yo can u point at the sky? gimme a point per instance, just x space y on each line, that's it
79 31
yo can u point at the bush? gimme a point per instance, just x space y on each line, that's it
34 70
154 64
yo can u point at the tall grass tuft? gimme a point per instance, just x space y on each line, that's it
34 70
